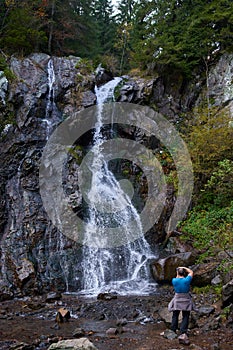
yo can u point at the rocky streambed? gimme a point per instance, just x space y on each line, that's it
111 322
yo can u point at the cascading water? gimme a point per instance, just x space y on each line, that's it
51 117
51 81
121 269
50 106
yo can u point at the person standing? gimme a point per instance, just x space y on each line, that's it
182 301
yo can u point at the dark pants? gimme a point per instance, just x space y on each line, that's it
184 323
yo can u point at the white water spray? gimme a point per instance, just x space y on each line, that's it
122 269
50 106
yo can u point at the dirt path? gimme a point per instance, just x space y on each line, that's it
32 321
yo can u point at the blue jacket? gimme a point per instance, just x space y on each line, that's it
182 285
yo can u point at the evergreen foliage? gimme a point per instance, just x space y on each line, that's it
21 31
183 34
104 26
176 34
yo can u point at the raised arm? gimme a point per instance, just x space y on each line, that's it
189 271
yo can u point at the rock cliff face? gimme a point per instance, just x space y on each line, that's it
35 256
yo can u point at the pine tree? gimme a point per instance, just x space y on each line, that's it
183 34
105 26
67 25
59 27
84 38
125 19
126 11
85 42
21 30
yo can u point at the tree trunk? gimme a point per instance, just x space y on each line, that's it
51 27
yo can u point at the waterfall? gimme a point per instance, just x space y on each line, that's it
123 269
52 115
51 81
50 106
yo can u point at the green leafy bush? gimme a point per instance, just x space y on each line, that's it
5 69
209 137
210 228
85 66
219 188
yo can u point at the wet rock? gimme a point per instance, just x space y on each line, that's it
78 333
195 347
65 69
128 92
112 331
26 252
230 317
140 318
216 280
220 83
20 346
135 314
204 273
166 316
125 329
73 344
88 99
106 296
31 74
176 246
135 90
165 269
25 271
51 297
121 322
5 292
227 293
206 310
102 76
147 319
169 334
3 88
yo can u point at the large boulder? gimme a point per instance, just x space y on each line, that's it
204 273
3 88
220 82
164 270
227 293
175 245
135 90
25 271
166 315
102 76
5 292
73 344
34 255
